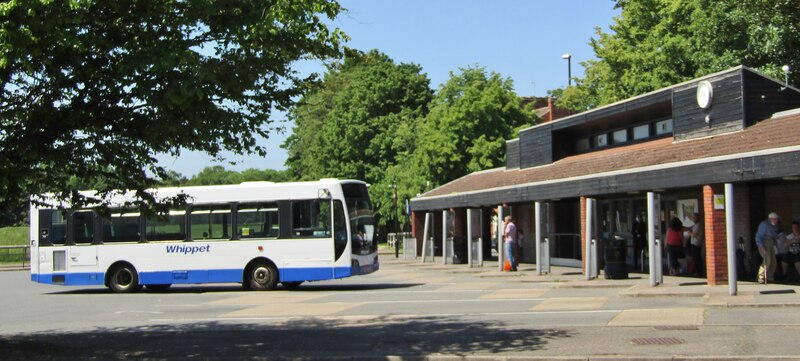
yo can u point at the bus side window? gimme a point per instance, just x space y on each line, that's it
58 228
258 220
311 219
211 222
84 226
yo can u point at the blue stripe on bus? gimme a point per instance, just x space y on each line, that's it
199 276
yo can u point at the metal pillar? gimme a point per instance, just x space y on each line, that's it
537 237
444 236
500 241
651 237
589 231
469 236
730 232
425 236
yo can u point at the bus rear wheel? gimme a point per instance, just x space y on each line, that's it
263 277
123 279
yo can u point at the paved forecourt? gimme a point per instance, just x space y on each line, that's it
408 309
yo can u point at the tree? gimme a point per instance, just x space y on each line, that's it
657 43
471 117
94 89
352 125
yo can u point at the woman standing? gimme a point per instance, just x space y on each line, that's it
674 245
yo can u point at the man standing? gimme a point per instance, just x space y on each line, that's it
766 236
697 234
511 242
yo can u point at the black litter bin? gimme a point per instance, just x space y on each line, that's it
614 255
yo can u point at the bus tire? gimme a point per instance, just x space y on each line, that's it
123 279
158 287
292 285
262 276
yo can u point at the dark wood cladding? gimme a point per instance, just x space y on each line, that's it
512 154
536 146
764 97
726 113
755 168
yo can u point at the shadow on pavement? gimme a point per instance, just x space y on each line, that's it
298 338
309 287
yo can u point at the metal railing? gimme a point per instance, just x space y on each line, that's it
13 256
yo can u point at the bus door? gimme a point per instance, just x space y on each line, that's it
81 236
312 253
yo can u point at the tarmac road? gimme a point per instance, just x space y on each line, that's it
407 310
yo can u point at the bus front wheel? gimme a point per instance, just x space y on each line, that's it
263 277
123 279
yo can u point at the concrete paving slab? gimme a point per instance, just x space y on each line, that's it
515 293
262 298
659 317
571 304
297 309
430 280
468 286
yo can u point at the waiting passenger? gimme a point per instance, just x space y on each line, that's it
768 232
791 248
674 245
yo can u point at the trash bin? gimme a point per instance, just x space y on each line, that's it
614 255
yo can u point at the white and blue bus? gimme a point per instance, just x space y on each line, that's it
258 234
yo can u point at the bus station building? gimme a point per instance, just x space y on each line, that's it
682 143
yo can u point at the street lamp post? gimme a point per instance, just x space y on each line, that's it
568 56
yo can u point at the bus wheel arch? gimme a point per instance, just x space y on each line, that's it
261 274
122 277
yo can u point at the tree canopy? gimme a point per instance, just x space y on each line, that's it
92 90
471 117
657 43
355 123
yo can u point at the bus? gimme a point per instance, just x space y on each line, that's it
259 234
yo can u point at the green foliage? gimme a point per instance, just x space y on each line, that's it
358 121
92 90
14 236
657 43
471 117
216 175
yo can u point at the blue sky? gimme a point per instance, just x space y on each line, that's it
520 39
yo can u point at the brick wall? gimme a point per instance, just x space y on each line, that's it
716 240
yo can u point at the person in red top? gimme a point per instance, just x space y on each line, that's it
674 244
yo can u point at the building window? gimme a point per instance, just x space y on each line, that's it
641 132
664 127
620 136
601 140
582 145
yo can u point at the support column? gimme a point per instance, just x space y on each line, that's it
590 256
469 237
652 219
537 235
500 228
583 232
730 234
444 236
716 239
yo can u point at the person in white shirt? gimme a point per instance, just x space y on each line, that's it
791 247
697 234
